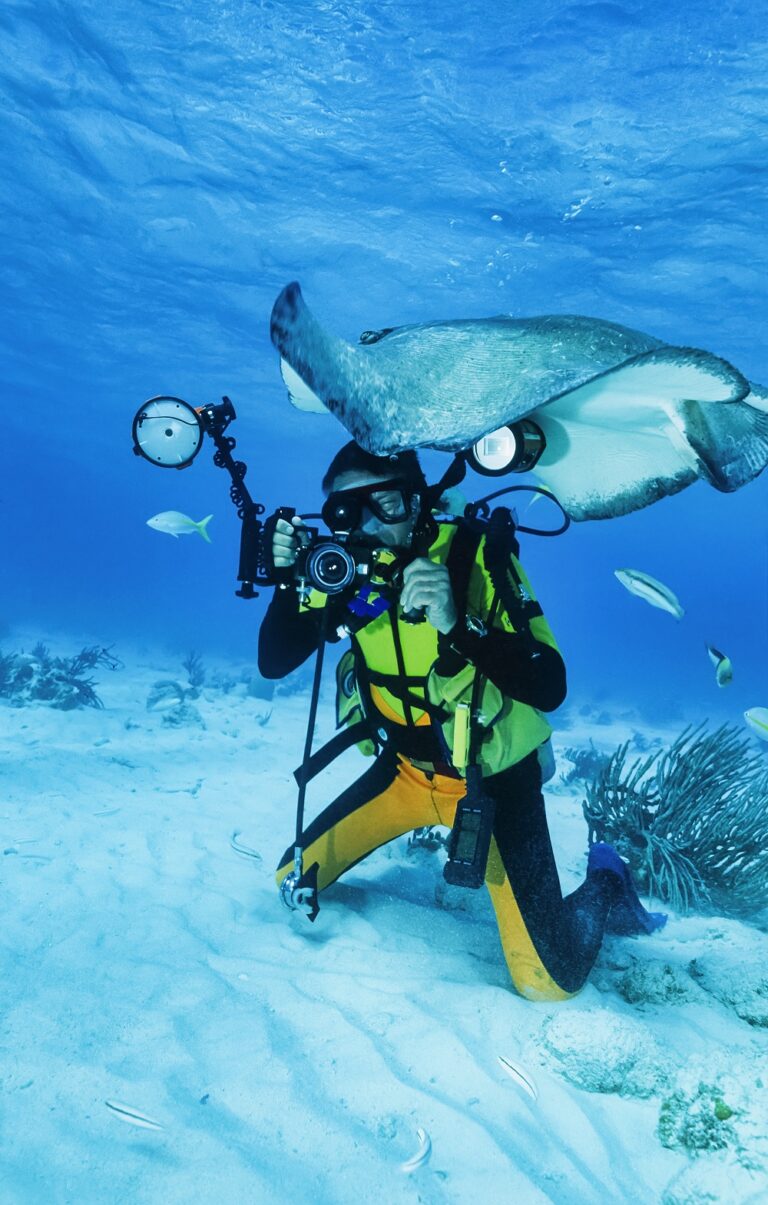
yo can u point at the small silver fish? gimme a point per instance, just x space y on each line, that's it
521 1077
651 590
722 664
175 524
422 1155
133 1116
244 850
757 720
164 695
166 703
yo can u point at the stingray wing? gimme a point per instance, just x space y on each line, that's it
628 419
649 428
441 384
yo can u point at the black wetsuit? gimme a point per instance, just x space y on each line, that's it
550 943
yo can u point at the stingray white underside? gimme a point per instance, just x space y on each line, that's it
621 441
300 395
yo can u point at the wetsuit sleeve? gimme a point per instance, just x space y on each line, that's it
522 667
525 665
287 635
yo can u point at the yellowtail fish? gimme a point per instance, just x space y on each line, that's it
420 1158
757 720
132 1116
521 1077
651 590
175 524
543 491
722 664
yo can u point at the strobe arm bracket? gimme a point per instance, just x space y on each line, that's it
168 432
254 568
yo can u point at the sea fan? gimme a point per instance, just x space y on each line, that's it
7 661
692 822
37 677
193 664
587 762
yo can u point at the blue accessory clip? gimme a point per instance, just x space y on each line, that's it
365 606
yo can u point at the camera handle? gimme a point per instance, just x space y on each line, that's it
278 575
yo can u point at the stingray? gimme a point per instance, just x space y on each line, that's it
627 418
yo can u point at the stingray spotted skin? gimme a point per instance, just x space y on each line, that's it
628 419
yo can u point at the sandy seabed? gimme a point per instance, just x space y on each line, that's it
169 1032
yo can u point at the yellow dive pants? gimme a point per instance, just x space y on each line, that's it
549 943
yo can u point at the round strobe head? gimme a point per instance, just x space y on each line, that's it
511 449
167 432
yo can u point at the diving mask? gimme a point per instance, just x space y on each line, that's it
388 501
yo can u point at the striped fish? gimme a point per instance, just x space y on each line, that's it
757 720
132 1116
650 590
422 1155
521 1077
722 664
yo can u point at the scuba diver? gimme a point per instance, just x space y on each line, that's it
451 668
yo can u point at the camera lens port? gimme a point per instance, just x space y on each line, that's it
330 568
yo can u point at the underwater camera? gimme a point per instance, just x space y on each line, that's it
169 433
327 566
325 563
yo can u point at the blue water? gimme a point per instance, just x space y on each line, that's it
166 171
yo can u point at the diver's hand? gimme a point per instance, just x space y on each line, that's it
286 541
427 584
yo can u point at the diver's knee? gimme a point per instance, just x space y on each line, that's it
539 987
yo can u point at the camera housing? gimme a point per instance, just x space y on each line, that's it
329 564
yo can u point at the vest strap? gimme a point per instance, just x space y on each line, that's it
332 749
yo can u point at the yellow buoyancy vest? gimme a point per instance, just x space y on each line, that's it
512 729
